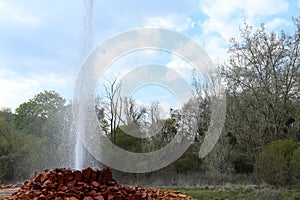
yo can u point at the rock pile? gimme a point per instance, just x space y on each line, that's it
88 184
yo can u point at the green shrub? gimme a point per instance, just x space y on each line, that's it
273 165
295 167
243 165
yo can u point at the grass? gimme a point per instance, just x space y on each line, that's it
248 192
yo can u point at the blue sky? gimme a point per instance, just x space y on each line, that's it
41 41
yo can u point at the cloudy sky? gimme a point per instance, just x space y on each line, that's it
41 42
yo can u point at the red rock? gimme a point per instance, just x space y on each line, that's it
131 197
117 197
60 178
50 195
105 193
100 177
73 198
103 187
95 184
99 197
94 175
46 183
68 175
77 175
43 197
88 198
63 188
110 182
144 195
93 192
65 184
80 183
106 175
110 197
71 183
60 194
87 174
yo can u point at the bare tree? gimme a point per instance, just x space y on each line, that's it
154 112
134 113
110 107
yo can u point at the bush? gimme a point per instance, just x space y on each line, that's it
295 167
276 162
243 165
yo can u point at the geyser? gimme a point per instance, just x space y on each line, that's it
86 47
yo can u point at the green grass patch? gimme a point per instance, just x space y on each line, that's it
241 192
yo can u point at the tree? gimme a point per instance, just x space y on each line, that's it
263 76
31 115
13 150
134 113
154 112
47 121
276 163
109 108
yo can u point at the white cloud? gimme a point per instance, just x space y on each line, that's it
225 18
164 109
214 46
277 22
182 67
13 14
265 8
179 64
176 23
17 89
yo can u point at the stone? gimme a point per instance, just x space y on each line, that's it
99 197
88 184
94 175
110 197
87 174
77 175
42 197
95 184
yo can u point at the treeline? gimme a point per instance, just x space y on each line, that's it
262 77
37 136
261 133
262 128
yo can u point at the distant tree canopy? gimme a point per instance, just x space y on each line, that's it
31 115
35 137
262 77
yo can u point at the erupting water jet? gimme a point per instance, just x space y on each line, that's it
86 47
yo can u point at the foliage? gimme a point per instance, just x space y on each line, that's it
241 192
189 162
295 167
262 78
13 148
31 115
128 142
273 165
31 139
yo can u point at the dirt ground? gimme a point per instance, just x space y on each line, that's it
5 192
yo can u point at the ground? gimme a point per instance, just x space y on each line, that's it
4 192
223 192
242 192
